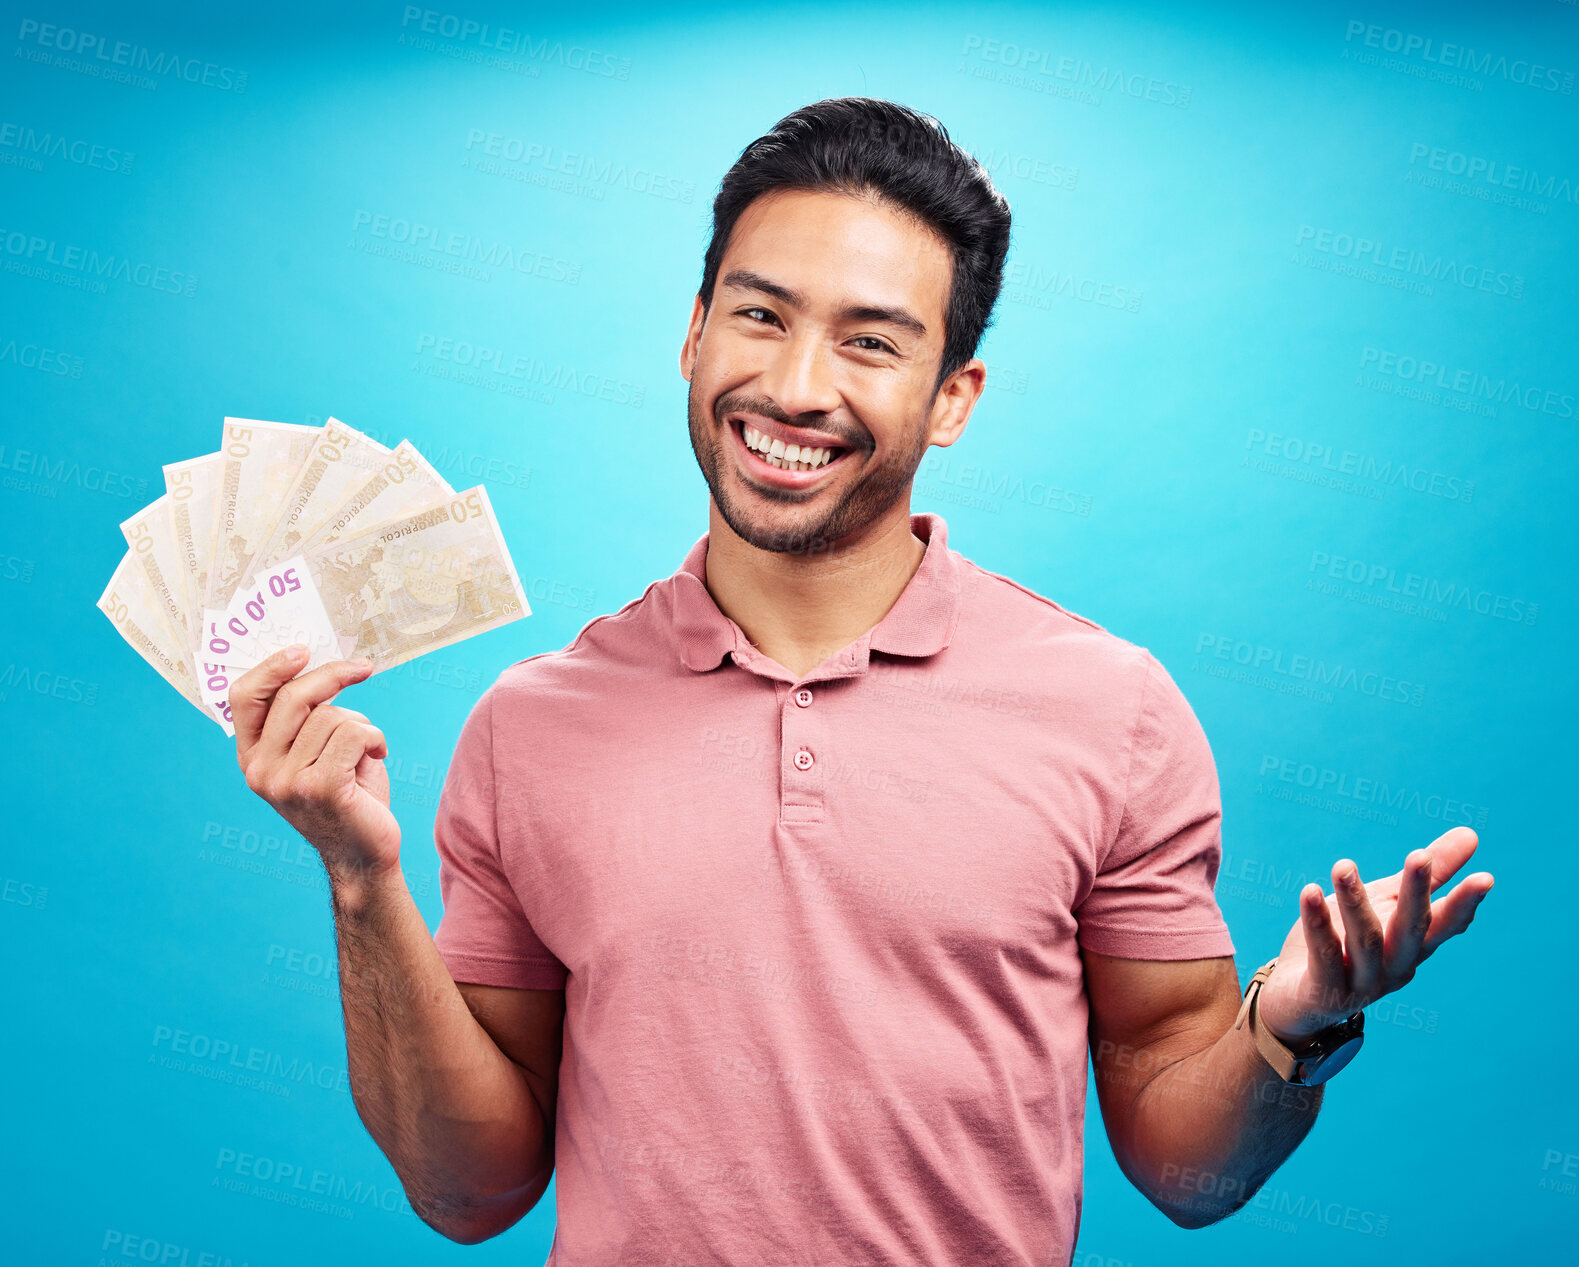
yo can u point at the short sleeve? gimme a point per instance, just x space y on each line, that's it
483 936
1153 896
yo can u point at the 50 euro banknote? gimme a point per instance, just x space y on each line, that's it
133 606
433 576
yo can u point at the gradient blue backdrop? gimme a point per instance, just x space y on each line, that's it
1202 407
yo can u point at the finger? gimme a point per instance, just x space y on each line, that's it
251 694
350 742
294 700
315 732
1450 851
1452 914
1411 919
1324 962
1363 938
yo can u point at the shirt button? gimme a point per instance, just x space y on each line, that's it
803 760
803 697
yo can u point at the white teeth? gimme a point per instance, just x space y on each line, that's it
789 457
782 464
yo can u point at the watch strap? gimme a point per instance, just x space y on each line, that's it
1314 1061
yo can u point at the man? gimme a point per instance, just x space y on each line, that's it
783 906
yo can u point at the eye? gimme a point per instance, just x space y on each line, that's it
748 312
880 345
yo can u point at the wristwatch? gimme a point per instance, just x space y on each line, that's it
1314 1061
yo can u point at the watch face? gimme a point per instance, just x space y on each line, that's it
1316 1071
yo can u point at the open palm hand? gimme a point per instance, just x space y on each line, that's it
1366 940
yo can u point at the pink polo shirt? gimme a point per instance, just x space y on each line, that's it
819 936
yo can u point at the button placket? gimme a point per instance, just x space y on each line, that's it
803 754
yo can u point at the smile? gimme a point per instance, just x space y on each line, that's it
788 457
775 461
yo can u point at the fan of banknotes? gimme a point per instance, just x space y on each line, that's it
318 535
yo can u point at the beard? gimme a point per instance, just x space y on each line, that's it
818 527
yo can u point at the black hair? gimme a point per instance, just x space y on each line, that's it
863 146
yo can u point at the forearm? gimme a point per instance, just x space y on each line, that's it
455 1116
1209 1129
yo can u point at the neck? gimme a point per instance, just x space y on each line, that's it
799 609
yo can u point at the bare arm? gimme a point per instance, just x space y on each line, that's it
1197 1119
456 1084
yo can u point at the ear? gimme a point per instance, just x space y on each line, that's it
693 338
955 400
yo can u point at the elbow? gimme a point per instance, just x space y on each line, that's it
1192 1199
1192 1218
469 1226
465 1225
462 1233
474 1221
1193 1209
472 1231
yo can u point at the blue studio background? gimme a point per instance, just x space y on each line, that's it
1283 369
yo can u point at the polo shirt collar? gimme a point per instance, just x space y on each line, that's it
920 623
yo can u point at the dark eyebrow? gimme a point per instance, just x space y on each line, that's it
745 279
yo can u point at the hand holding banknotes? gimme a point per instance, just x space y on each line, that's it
318 764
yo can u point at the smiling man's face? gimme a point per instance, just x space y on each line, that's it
825 333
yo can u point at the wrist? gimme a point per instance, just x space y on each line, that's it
1303 1034
1294 1039
1307 1060
354 888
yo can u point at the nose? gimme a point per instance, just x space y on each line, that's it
800 376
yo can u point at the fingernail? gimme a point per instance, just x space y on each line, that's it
296 651
362 662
